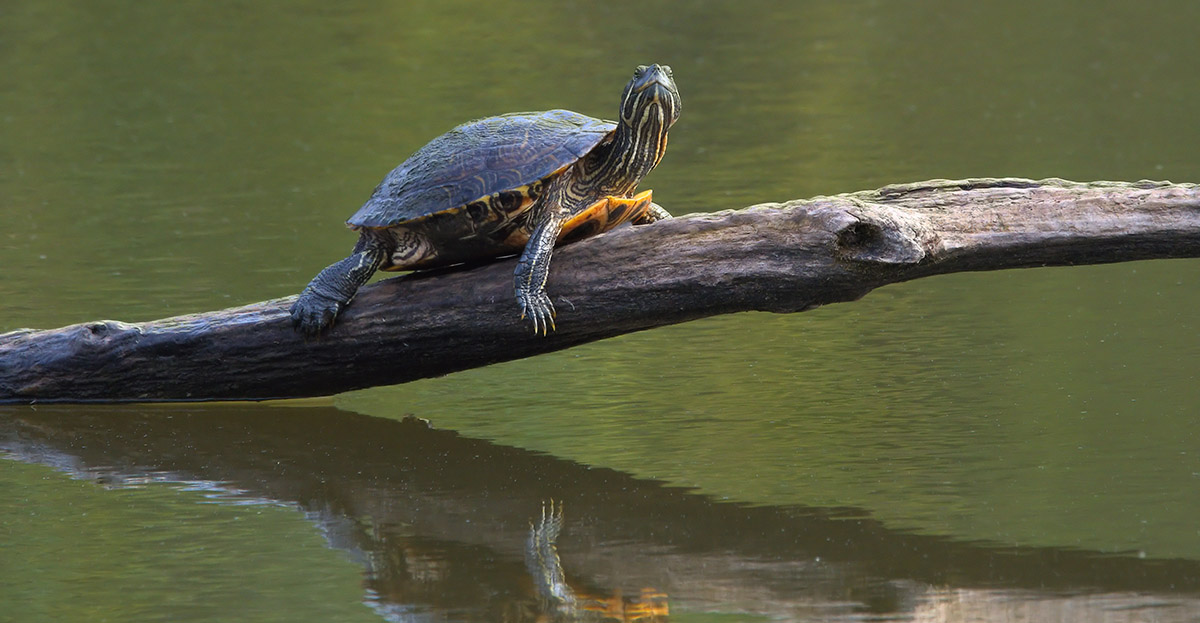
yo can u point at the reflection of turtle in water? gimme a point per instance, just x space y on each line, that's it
560 599
517 183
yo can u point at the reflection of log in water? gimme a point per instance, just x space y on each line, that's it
442 522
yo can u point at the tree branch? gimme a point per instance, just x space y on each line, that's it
784 257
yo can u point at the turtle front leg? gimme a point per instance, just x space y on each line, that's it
654 213
530 276
333 288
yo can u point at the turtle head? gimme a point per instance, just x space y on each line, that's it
650 96
649 107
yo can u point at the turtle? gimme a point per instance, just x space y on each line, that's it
519 183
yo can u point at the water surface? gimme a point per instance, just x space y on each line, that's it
1010 428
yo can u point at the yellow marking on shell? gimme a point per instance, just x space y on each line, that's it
605 215
524 190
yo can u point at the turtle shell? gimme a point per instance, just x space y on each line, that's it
478 159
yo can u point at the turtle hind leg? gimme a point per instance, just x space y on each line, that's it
333 288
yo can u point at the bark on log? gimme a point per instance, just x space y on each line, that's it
785 257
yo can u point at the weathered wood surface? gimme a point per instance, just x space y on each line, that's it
784 257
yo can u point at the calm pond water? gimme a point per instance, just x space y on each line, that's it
1020 445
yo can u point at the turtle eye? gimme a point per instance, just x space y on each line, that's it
667 68
641 69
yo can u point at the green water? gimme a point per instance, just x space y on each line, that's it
166 158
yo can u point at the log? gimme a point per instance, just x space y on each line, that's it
779 257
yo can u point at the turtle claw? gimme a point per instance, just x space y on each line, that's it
540 309
313 313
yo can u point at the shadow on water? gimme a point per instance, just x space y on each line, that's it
460 527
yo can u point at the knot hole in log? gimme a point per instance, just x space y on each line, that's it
107 332
858 235
880 235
